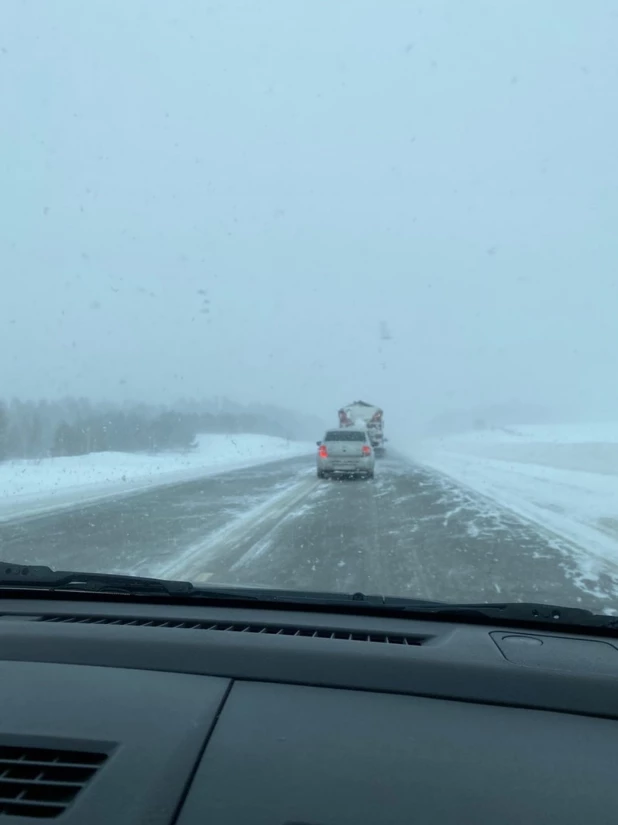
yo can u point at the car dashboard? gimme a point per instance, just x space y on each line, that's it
114 712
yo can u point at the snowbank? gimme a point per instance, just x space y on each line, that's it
32 487
564 478
606 432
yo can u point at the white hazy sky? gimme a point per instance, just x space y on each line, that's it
447 166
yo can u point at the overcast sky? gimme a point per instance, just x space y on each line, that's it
227 198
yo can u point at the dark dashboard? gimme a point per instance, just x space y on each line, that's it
139 713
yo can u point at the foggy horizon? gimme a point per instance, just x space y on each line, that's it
228 200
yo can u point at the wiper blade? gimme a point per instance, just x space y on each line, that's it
41 577
532 612
44 578
507 611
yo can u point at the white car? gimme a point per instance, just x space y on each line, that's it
346 452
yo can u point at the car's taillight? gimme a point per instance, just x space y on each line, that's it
366 450
323 452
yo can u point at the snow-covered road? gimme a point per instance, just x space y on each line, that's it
563 478
413 531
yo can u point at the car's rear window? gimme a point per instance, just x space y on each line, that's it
345 435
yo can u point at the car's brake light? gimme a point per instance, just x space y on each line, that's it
366 450
323 452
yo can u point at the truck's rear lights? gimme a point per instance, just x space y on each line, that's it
323 452
366 450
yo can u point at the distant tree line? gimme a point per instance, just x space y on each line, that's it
77 426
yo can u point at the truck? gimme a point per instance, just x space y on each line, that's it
360 413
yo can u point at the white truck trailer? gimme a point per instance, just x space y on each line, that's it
361 414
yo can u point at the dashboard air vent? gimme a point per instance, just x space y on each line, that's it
265 629
43 782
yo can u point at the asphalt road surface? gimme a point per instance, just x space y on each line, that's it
409 532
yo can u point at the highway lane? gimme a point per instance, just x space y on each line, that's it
409 532
141 533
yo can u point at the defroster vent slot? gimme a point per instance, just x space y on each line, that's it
264 629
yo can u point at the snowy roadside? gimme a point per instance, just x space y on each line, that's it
30 488
563 478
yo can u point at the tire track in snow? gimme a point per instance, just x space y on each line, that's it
228 546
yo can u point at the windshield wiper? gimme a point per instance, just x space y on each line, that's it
40 577
525 612
44 578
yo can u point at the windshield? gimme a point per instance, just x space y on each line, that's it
230 226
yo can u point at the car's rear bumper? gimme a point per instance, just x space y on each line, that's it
346 467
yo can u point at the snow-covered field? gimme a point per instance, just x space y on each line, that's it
32 487
564 477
